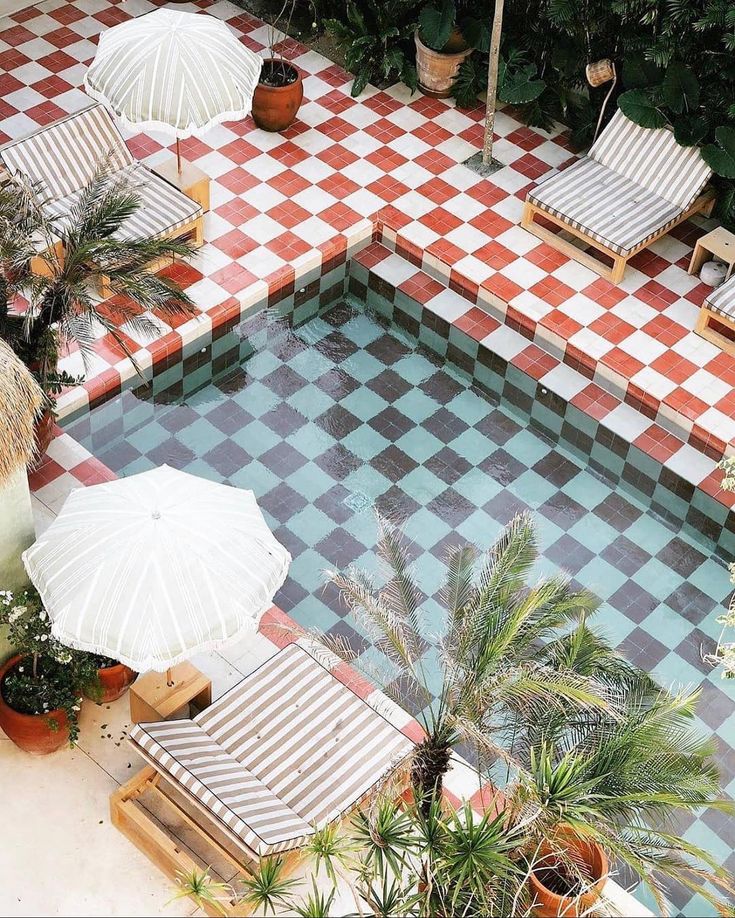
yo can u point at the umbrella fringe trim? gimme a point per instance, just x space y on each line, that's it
161 666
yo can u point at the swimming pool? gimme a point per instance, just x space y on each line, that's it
344 413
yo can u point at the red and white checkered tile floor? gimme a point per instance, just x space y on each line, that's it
390 163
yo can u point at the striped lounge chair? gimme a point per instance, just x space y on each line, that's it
62 157
286 751
632 188
716 320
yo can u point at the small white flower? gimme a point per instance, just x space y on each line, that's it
76 707
20 669
44 637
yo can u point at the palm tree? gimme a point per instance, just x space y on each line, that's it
589 742
57 263
493 680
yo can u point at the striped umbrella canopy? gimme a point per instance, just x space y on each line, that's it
154 568
177 72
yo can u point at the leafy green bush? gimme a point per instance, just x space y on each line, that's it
51 675
377 35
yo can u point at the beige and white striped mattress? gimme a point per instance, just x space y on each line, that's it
722 299
606 206
63 157
287 750
651 157
162 209
635 183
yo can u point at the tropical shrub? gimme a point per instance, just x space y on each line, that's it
581 738
377 35
63 307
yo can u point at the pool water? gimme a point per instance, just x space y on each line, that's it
327 421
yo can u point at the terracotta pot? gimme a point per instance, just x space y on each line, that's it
114 682
437 70
592 860
31 732
275 107
43 432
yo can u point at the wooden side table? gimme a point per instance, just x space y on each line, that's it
151 699
191 180
720 243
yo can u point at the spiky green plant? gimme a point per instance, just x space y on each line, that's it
73 256
267 888
589 741
202 889
493 679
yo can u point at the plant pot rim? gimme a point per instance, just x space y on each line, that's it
6 667
463 52
595 888
293 67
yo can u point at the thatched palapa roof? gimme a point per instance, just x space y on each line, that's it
20 401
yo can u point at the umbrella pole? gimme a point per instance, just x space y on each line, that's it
169 677
178 155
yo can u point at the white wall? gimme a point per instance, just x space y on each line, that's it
16 534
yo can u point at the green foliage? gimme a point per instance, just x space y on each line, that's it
436 23
720 156
377 36
593 742
206 892
641 107
51 675
267 889
63 305
518 80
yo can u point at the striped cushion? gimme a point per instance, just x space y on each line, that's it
652 158
163 207
231 792
310 743
64 156
722 299
606 206
317 745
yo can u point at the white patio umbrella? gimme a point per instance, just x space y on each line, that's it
154 568
181 73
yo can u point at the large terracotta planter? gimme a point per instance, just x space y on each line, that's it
114 682
275 107
550 903
437 70
32 732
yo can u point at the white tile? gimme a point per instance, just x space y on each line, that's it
691 464
642 346
564 381
395 269
626 422
448 304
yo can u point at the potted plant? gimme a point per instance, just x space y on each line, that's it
113 679
446 36
279 92
40 685
568 875
54 264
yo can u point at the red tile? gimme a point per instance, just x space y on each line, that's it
279 628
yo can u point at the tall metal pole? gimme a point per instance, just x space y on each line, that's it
492 83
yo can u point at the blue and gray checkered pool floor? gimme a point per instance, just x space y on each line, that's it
342 415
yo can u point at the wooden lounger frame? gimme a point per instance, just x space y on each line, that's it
135 822
713 326
703 204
